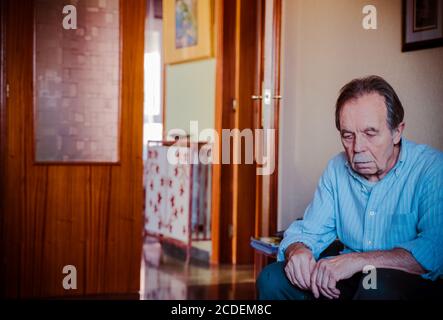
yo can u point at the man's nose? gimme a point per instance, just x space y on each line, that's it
359 145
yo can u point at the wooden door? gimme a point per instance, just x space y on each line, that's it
246 115
248 49
258 95
89 216
268 89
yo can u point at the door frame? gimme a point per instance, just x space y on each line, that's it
225 203
2 121
222 186
277 37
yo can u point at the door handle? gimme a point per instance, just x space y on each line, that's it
256 97
278 97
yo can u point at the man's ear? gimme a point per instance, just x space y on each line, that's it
398 132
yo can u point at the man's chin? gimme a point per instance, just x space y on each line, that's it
365 169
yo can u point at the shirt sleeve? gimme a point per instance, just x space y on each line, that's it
317 229
427 247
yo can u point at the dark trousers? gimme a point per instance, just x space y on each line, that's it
272 284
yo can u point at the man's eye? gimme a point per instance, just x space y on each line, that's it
347 137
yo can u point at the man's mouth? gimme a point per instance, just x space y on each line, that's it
363 164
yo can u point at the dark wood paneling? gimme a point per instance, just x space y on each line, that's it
2 126
276 60
259 76
247 113
225 119
218 125
89 216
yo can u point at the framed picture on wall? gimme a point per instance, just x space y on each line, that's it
187 29
422 24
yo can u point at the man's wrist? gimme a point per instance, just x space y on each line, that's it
294 247
358 260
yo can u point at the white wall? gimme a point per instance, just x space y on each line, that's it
190 95
324 47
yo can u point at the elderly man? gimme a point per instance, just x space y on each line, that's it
382 199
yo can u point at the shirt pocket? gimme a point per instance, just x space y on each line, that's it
403 227
404 219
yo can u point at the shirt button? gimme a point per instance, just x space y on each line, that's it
372 213
369 242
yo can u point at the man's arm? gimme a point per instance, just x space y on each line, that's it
328 272
305 240
317 230
426 248
398 259
299 265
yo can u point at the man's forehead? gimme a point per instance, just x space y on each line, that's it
369 109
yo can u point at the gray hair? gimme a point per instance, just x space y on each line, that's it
359 87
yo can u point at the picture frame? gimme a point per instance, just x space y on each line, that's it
188 30
158 9
422 24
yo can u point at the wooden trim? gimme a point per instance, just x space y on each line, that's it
2 129
163 100
235 167
16 18
245 174
273 195
216 168
222 179
259 75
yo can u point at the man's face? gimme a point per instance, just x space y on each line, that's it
366 137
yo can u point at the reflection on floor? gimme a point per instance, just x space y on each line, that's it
168 278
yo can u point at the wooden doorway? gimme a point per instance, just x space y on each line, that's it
248 43
269 91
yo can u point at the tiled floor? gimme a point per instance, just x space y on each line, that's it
165 277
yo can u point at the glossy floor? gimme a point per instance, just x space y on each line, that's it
164 277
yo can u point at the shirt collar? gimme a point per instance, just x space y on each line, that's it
404 145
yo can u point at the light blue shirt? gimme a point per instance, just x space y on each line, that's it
402 210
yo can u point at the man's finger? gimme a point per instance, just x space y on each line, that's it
288 271
325 286
332 285
322 279
306 274
326 294
299 276
319 277
314 283
294 280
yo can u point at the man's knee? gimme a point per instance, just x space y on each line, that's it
269 281
272 284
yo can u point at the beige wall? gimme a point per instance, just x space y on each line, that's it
190 95
325 46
